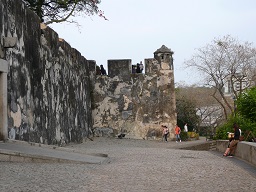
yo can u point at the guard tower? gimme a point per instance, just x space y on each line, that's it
164 56
161 68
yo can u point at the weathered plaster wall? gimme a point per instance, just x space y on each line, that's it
135 104
49 88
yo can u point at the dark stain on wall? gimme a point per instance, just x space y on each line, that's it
49 93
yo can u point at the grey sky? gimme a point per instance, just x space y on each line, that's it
137 28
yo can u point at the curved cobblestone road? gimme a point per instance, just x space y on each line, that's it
135 166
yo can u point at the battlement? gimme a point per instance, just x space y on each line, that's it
122 68
130 102
56 95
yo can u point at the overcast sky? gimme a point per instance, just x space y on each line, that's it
137 28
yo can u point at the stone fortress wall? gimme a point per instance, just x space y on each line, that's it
52 94
136 104
48 97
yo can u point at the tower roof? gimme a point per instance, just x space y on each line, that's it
163 49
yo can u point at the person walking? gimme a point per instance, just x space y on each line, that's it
165 132
186 127
177 133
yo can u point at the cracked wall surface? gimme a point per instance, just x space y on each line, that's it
55 96
135 104
49 97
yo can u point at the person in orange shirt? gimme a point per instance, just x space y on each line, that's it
177 133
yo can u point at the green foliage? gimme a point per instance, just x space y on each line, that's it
246 104
245 125
193 135
245 116
222 132
184 136
186 113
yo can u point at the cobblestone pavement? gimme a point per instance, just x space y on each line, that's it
135 166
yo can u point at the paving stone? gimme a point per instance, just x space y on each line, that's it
134 165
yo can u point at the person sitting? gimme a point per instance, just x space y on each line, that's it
103 71
227 152
233 142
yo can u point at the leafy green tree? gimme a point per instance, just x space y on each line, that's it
246 104
208 110
186 113
245 125
245 115
56 11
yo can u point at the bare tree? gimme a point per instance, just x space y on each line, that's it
225 61
208 109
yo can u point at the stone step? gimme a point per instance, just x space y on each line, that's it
212 146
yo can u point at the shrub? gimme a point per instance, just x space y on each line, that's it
184 136
245 125
192 135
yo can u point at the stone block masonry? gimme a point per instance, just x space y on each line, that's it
53 95
48 83
136 104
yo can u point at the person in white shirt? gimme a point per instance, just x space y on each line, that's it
186 127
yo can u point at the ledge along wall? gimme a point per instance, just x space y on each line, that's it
48 83
244 150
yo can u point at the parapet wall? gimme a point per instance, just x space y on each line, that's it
245 150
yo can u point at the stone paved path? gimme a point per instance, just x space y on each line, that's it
135 166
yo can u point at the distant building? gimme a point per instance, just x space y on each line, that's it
240 83
233 87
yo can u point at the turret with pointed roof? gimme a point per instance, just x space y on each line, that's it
164 55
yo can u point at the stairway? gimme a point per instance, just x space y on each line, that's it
212 145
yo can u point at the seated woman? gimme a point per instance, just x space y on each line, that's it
233 142
227 152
